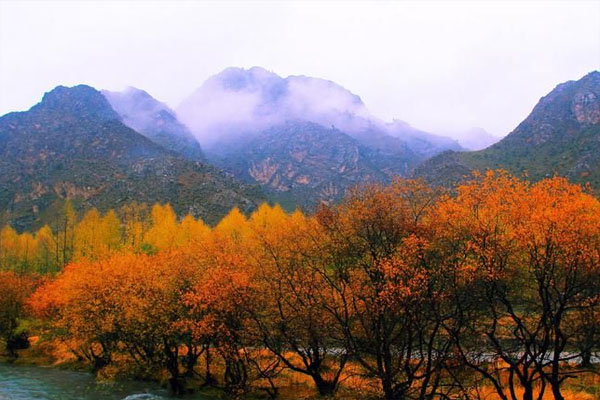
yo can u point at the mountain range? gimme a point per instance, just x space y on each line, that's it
246 136
304 140
74 145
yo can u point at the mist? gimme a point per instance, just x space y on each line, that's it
239 103
441 66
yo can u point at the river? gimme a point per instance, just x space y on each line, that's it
30 383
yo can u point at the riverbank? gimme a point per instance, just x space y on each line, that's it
53 358
21 382
48 369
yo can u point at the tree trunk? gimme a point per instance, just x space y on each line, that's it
176 381
586 358
527 392
324 387
556 391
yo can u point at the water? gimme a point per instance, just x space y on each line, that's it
31 383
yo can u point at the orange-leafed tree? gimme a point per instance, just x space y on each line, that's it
294 322
560 238
128 305
389 299
534 262
218 315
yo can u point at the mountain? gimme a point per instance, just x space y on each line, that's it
153 119
73 145
474 138
561 136
243 118
239 102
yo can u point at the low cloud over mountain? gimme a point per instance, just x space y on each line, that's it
239 102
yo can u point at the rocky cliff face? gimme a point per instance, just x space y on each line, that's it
74 145
302 163
561 136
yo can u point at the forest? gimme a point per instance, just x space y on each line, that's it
487 291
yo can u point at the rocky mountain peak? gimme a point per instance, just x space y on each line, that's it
73 145
81 100
561 136
237 79
565 110
240 102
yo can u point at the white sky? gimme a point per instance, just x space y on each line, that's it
439 65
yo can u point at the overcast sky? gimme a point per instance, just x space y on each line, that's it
441 66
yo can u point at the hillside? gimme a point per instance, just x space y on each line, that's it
561 136
74 145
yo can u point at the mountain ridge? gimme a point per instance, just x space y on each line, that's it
72 144
312 165
246 106
249 100
561 136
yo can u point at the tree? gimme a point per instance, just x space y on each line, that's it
88 237
136 222
533 256
9 242
386 285
218 304
128 305
46 257
64 226
293 322
162 233
14 289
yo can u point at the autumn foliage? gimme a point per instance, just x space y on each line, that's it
418 294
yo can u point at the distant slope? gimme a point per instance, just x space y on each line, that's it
561 136
474 138
73 145
153 119
423 143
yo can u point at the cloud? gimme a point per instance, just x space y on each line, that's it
240 102
441 65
